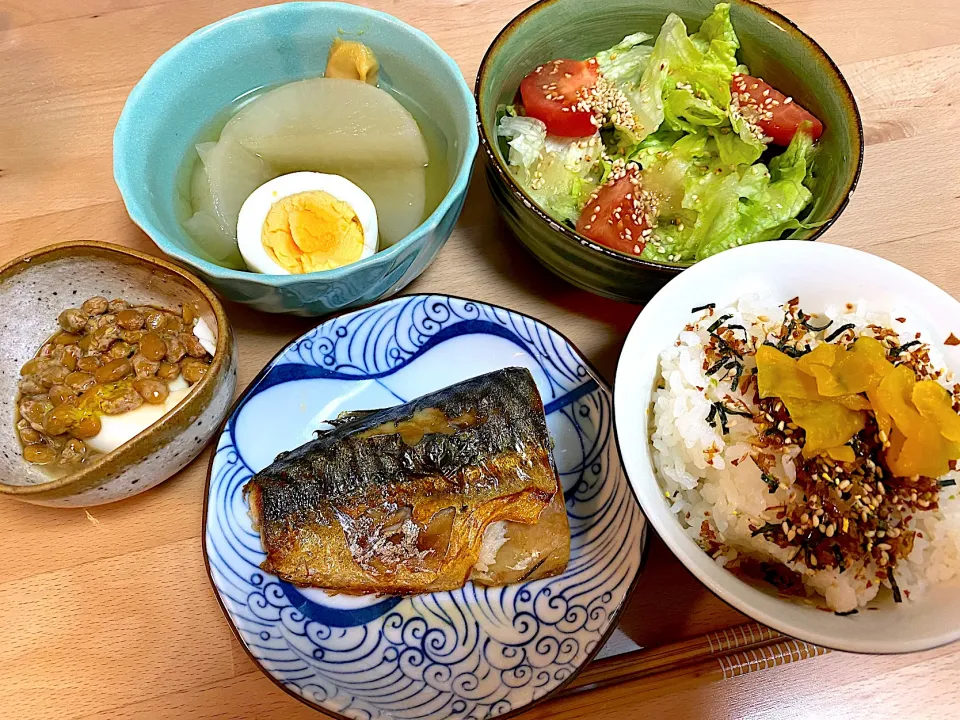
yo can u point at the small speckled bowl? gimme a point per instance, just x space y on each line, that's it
34 289
771 46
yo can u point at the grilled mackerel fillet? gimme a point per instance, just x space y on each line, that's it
457 485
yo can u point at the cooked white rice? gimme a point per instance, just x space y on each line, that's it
708 479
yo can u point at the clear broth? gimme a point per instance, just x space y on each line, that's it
437 172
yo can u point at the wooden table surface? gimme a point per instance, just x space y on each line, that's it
110 615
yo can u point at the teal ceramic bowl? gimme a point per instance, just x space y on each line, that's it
206 72
771 46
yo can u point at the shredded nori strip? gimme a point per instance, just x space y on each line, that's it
839 331
718 322
787 350
906 346
722 412
736 377
717 365
813 328
949 482
708 306
771 481
724 345
712 415
746 335
730 359
897 597
848 612
838 555
768 527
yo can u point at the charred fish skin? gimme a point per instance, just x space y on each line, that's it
342 464
435 473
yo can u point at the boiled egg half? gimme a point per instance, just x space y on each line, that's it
306 222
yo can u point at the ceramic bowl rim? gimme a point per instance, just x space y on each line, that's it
731 590
124 138
601 382
128 452
774 17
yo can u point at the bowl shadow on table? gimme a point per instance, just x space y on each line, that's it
495 245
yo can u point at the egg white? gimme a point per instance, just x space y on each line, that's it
255 208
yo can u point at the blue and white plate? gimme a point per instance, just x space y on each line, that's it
472 653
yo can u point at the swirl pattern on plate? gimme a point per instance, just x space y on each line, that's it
472 653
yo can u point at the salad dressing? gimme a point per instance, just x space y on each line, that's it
689 159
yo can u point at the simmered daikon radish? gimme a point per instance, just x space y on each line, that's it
325 124
332 125
399 195
224 178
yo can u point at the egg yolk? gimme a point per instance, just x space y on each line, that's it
312 231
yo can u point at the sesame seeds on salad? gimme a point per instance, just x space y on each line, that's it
688 123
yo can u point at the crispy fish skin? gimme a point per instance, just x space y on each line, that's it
398 500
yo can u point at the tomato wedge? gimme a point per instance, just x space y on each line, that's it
769 109
616 215
555 93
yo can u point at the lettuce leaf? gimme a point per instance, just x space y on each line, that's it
734 149
526 137
759 204
624 63
568 173
722 205
646 98
717 39
619 141
686 82
559 174
652 148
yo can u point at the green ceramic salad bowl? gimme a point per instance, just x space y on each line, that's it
770 46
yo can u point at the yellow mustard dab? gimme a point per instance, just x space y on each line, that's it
350 60
312 231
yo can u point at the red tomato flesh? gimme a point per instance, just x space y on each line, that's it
552 93
772 111
616 216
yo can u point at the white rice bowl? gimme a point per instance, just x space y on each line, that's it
709 478
663 434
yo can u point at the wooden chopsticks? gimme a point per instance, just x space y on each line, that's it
718 655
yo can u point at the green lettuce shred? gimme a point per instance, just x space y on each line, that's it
705 164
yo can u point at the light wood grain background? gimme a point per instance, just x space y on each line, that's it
112 616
